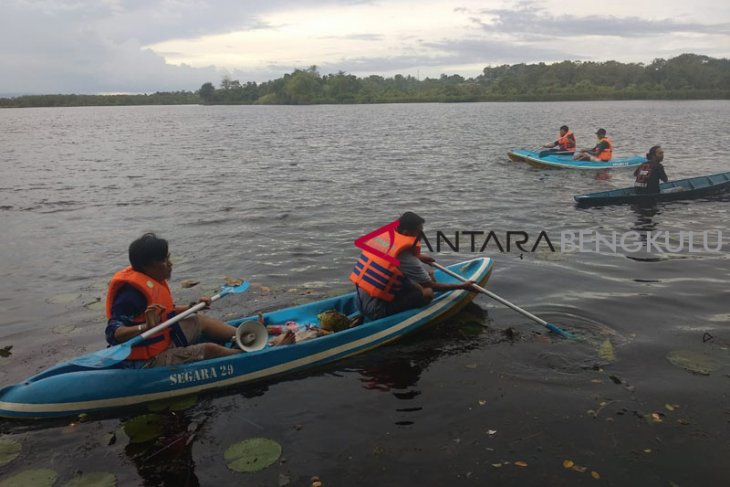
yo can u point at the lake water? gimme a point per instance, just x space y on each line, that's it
277 195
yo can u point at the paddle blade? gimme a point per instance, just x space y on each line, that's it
225 290
104 358
559 331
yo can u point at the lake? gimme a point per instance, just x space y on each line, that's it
278 194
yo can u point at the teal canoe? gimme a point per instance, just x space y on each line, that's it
681 189
564 160
77 386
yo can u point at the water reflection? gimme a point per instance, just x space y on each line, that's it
645 214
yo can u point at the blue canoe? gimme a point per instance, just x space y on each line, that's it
681 189
70 389
564 160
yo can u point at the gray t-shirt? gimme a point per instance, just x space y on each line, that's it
412 268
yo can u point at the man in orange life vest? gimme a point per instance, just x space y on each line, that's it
649 173
602 152
566 141
389 285
139 298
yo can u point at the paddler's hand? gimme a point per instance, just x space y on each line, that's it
426 259
152 316
469 286
204 299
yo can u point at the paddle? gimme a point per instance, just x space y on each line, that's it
551 152
117 353
549 326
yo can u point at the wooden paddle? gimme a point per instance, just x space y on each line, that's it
550 326
113 355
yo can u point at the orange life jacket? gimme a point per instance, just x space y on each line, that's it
607 153
377 276
156 293
566 143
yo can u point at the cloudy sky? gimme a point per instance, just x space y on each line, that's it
137 46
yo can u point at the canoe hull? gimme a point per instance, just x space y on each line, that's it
557 161
681 189
70 389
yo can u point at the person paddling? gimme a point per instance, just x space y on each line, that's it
601 152
139 298
566 141
649 173
383 287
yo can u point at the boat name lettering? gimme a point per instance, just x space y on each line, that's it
206 373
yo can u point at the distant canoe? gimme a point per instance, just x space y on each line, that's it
564 160
681 189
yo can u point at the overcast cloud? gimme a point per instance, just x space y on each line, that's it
137 46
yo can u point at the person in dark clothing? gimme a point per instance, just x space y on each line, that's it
649 173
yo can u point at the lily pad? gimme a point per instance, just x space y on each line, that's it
64 298
9 450
605 351
177 404
252 455
694 362
144 428
40 477
93 479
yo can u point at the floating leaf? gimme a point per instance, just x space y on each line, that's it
93 479
63 329
605 351
647 450
595 475
64 298
40 477
9 450
188 283
252 455
578 468
144 428
5 351
695 362
491 432
176 404
230 281
520 463
471 366
657 417
568 463
496 465
482 402
669 407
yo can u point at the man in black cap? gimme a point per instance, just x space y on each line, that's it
602 152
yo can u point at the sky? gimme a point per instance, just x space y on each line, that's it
143 46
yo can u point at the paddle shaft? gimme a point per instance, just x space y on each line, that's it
176 318
493 296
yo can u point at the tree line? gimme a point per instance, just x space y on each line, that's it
688 76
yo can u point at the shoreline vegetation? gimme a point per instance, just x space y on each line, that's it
685 77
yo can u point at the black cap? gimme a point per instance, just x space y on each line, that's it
564 127
601 132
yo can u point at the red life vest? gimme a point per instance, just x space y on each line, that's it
567 143
377 276
643 175
156 293
607 153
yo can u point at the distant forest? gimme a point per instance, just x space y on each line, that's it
688 76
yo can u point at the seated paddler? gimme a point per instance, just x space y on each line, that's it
565 142
392 275
139 298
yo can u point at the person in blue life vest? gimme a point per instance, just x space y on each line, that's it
139 298
648 174
566 141
383 287
601 152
